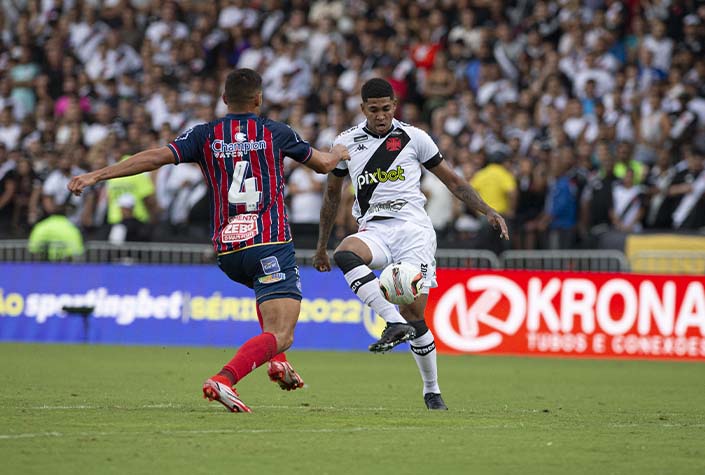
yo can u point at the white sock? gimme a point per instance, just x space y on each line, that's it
366 286
424 350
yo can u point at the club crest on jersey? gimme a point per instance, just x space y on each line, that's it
393 144
380 176
223 149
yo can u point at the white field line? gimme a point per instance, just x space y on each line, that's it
30 435
46 407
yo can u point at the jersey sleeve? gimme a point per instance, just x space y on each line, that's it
188 147
426 150
341 169
290 142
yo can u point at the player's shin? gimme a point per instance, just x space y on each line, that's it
254 353
423 348
280 356
366 286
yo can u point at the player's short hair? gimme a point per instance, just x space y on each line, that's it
376 87
242 86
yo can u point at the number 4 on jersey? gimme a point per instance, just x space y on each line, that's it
244 191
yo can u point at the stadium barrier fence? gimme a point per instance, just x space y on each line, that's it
182 253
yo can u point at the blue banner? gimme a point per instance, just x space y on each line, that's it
168 305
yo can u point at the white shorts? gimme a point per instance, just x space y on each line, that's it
396 240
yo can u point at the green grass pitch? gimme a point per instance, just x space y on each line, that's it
129 410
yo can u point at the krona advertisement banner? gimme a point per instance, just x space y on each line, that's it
527 313
569 314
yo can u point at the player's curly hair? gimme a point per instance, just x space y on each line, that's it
376 87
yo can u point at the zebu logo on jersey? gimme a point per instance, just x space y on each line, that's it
223 149
380 176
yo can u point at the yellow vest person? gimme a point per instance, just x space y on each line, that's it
139 186
56 238
495 184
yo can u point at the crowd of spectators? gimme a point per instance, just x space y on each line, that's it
576 120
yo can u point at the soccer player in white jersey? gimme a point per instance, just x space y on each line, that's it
385 168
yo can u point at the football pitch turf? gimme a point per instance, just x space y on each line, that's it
129 410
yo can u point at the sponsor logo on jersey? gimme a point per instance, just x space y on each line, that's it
270 265
395 133
361 147
393 144
392 205
380 176
223 149
360 138
272 278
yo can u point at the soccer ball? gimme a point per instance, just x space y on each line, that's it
400 283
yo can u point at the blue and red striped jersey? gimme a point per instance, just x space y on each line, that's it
242 159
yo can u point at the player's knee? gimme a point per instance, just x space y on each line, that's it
347 260
420 326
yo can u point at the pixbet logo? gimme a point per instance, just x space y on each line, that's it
615 307
380 176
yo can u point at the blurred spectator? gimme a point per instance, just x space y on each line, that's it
56 238
8 188
560 214
9 130
439 203
25 204
305 191
628 204
531 198
141 188
129 228
23 74
690 186
497 186
597 198
56 198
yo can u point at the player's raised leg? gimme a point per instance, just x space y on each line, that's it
279 318
353 257
423 347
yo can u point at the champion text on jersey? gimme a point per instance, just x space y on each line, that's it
223 149
380 176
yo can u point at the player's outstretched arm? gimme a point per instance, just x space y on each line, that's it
329 210
467 194
325 162
144 161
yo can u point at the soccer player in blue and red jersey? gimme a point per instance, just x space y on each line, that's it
241 156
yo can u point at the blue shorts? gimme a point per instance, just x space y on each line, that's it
269 269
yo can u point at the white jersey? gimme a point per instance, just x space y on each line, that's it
386 171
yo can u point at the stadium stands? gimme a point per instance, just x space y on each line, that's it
582 121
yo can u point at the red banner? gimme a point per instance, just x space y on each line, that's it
569 314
